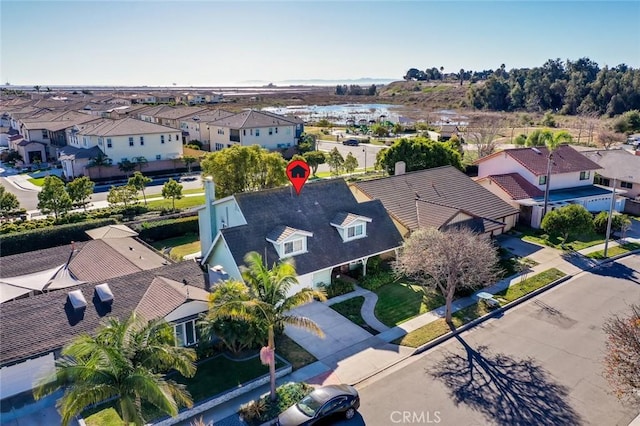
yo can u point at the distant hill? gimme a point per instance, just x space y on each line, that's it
423 94
323 82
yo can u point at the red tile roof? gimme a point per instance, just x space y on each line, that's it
516 186
565 159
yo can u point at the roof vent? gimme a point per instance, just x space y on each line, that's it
104 293
536 150
77 300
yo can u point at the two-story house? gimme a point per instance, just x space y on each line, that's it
324 229
252 127
196 126
120 140
618 165
519 176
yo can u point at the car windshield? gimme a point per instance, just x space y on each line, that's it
309 405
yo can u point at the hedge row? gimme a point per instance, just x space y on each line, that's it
38 239
168 228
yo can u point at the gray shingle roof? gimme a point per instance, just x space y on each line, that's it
312 211
51 322
617 163
36 261
442 186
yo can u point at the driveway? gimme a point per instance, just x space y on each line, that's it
340 333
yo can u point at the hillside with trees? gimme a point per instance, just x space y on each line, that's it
566 87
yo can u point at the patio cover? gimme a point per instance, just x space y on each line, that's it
49 279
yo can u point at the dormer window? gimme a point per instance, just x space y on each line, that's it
350 226
289 241
294 247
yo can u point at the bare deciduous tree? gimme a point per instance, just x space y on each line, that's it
448 260
622 360
607 138
483 135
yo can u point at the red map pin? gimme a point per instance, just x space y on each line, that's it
298 173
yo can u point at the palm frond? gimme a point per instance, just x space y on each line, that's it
304 296
304 323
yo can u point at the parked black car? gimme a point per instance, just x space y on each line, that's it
322 405
351 142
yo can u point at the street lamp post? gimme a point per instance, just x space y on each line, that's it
609 220
365 159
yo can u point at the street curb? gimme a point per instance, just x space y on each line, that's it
496 313
393 363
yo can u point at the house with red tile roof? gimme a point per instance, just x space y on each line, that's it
520 177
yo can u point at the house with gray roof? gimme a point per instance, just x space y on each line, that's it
520 176
324 229
618 164
251 127
440 198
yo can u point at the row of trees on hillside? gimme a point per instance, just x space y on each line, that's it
356 90
569 87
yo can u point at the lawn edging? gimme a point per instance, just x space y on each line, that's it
495 313
616 257
226 396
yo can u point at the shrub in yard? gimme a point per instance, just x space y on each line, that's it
262 410
375 265
38 239
375 281
167 228
337 288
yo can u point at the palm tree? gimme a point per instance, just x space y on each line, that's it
123 361
265 299
101 160
552 141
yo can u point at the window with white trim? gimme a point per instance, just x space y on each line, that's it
270 130
257 132
141 140
45 134
186 333
627 185
542 180
158 157
219 146
293 247
109 143
161 138
585 175
355 231
130 141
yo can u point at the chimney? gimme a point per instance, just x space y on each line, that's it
207 216
400 168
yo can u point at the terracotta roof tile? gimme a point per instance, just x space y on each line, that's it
516 186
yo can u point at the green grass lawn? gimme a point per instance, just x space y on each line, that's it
530 284
614 251
350 309
181 246
401 301
219 374
440 327
213 377
37 181
183 203
184 192
576 243
297 356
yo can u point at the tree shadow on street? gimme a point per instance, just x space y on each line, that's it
506 390
617 270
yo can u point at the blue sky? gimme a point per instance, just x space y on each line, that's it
225 43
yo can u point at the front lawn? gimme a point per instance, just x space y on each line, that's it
440 327
297 356
530 284
401 301
350 309
220 374
576 243
614 251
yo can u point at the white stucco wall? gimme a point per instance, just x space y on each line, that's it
228 213
285 135
21 377
221 255
120 148
503 164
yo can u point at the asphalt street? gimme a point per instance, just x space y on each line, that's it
539 364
